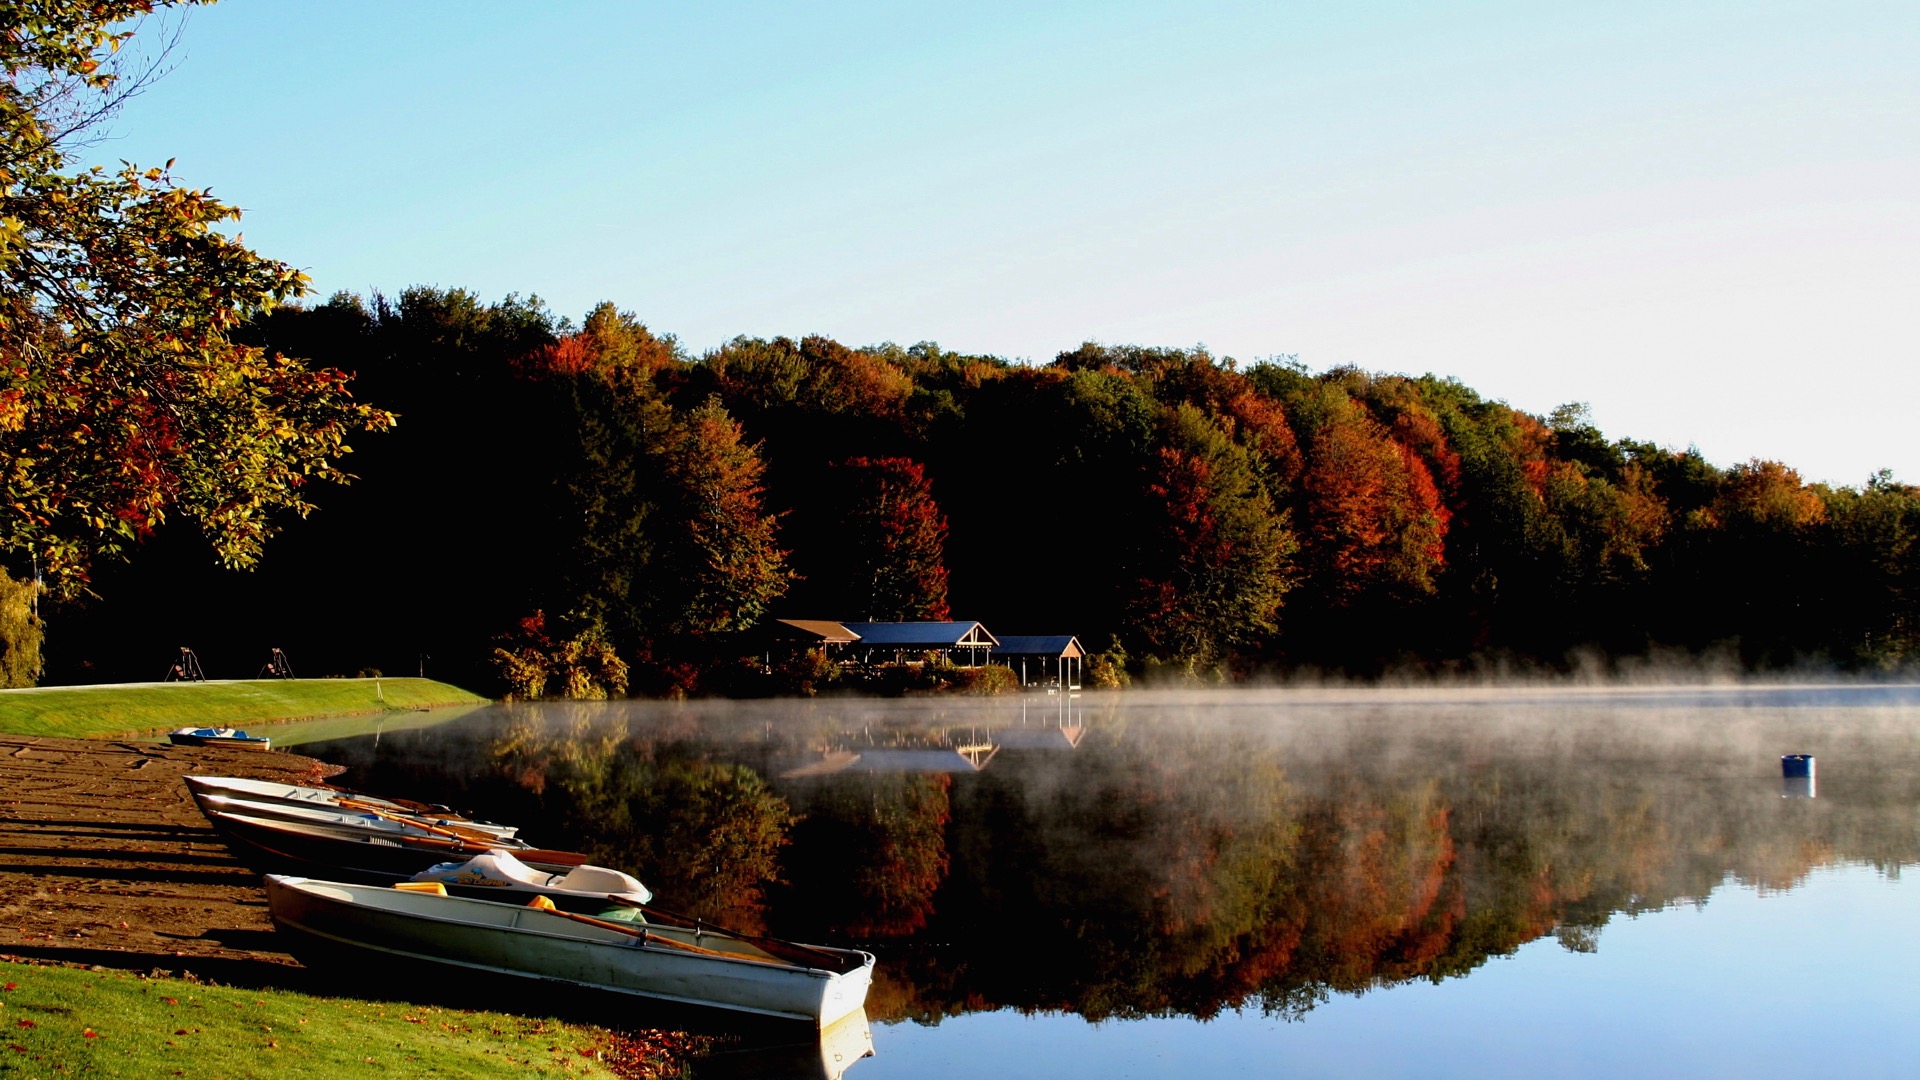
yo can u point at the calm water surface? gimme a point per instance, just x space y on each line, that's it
1583 883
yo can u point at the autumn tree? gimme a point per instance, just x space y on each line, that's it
1052 463
1747 563
611 344
124 398
617 432
885 553
1221 559
673 542
720 561
1371 511
581 666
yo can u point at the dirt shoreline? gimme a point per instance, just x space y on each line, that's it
105 860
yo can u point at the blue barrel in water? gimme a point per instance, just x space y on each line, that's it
1797 765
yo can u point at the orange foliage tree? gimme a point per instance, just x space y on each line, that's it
1373 515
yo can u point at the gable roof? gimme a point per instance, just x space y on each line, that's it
1062 645
832 633
923 635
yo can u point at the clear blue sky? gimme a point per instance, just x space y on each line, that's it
1703 218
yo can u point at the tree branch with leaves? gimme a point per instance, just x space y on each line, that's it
123 398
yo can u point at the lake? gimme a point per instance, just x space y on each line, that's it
1585 882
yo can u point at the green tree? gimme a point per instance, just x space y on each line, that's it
1222 560
123 397
1869 576
20 633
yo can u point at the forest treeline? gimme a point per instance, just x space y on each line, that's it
584 509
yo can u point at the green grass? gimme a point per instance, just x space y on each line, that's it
79 712
59 1021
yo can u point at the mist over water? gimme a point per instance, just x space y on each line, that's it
1179 856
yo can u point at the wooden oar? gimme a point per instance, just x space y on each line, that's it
541 903
551 858
457 842
791 951
445 828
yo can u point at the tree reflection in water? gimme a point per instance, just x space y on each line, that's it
1182 858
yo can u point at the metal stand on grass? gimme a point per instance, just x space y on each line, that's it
276 667
186 668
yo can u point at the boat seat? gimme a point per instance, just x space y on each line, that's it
599 879
494 865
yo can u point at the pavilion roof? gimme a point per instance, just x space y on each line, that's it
1060 645
832 633
923 635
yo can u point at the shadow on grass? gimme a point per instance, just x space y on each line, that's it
741 1045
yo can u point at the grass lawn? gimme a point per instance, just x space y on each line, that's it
79 712
77 1022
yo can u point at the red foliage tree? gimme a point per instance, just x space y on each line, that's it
892 543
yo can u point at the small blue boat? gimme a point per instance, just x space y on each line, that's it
216 736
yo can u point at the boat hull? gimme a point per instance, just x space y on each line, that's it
290 847
543 947
272 793
348 819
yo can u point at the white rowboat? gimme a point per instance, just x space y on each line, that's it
377 824
689 966
268 791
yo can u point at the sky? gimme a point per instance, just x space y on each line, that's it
1702 219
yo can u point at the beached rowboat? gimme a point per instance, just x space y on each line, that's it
218 736
269 791
331 851
690 966
371 820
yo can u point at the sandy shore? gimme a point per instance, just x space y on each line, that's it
105 860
